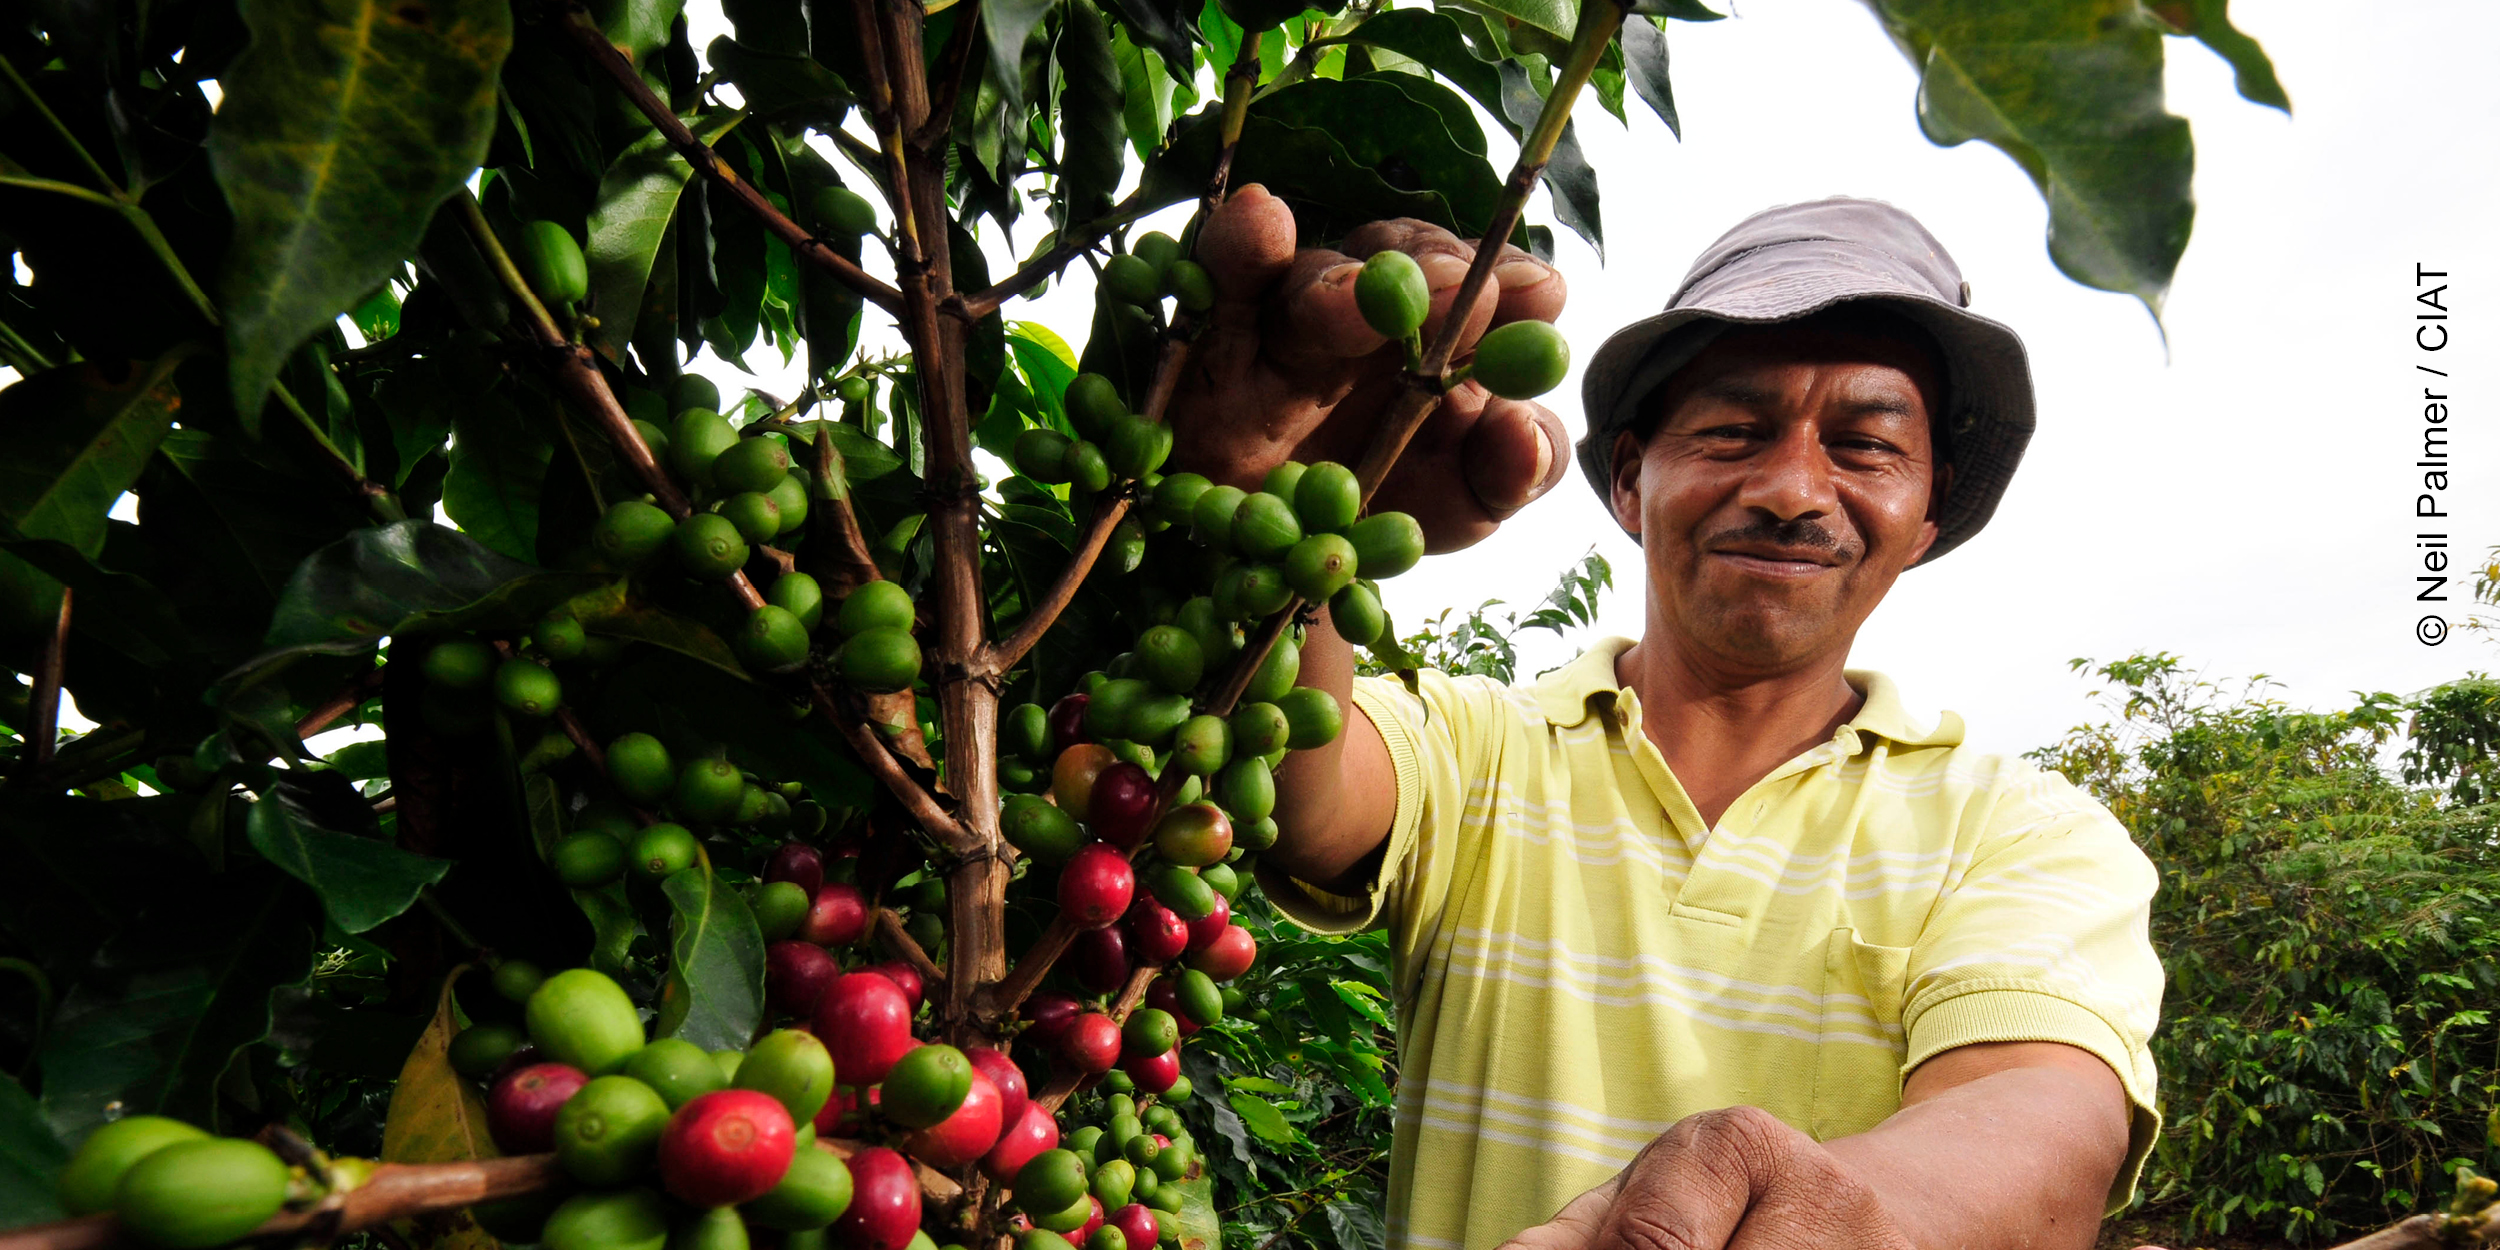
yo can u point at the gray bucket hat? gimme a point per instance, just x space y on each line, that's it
1789 262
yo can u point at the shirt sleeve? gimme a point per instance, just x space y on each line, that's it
2044 935
1435 735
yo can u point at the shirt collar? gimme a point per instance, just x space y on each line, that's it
1564 695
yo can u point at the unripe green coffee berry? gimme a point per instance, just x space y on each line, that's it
1393 295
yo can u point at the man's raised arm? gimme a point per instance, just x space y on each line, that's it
1289 370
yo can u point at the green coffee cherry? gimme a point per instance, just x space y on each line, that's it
629 532
751 464
1132 279
1093 403
841 212
1157 249
1319 566
1264 527
664 850
586 861
1042 455
880 661
1315 717
773 639
875 605
709 546
800 596
87 1184
1393 294
1327 498
460 664
527 688
1386 544
1355 611
1522 360
754 514
552 262
195 1194
1283 480
698 438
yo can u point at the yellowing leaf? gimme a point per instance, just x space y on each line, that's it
438 1116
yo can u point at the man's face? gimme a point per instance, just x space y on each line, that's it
1790 479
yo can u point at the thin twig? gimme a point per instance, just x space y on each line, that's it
881 763
908 948
578 24
1073 243
1133 992
349 697
44 702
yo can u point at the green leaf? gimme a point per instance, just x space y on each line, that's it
121 610
2209 21
361 761
714 996
1196 1225
637 199
1343 153
1145 94
1262 1117
1555 18
1567 174
609 610
343 125
406 577
1163 25
77 439
1006 25
613 924
301 825
1257 1085
1091 123
2075 97
772 82
154 1021
1645 63
31 1159
1680 10
1433 39
499 457
637 27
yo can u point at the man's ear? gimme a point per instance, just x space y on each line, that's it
1932 527
1625 496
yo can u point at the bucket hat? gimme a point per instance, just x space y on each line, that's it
1796 260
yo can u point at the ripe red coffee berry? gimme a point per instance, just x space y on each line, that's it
521 1108
838 917
1204 930
885 1203
795 976
1050 1013
1092 1043
1120 810
1229 955
905 978
1156 933
1137 1222
1033 1131
799 864
865 1023
1095 885
1013 1091
1154 1073
1093 1222
1098 958
1067 722
964 1136
725 1147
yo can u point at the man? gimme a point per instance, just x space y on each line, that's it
1705 925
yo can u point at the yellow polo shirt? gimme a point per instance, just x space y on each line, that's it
1581 962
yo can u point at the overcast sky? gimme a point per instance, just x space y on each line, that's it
2246 503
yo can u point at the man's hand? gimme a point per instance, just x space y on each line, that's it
1288 370
2008 1145
1736 1178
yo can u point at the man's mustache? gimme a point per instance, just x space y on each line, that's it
1801 533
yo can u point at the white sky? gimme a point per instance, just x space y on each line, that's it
2246 504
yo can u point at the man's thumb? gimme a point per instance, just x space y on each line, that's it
1572 1228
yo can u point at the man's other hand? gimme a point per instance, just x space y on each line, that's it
1735 1178
1288 370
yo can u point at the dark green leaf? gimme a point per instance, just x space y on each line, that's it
342 127
120 610
1165 26
361 761
2210 22
610 611
637 27
31 1157
613 924
1434 39
154 1021
1680 10
637 200
1343 153
407 577
1645 63
499 453
771 82
1567 174
1005 26
715 991
2075 98
1091 126
76 441
299 825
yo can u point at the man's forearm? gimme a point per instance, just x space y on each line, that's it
2016 1149
1328 823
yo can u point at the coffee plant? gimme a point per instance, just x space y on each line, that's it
767 827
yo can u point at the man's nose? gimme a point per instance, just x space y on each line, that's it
1792 476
